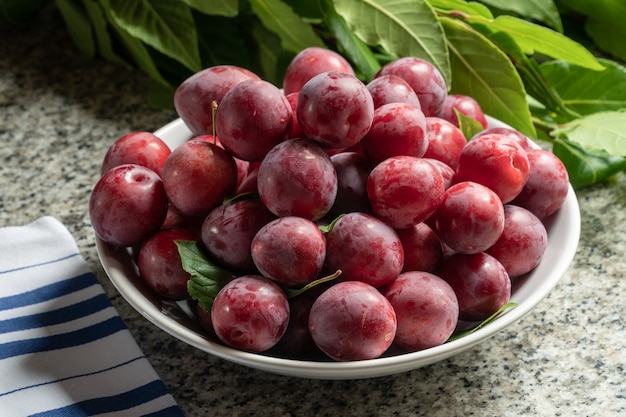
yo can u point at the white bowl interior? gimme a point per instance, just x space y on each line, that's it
175 318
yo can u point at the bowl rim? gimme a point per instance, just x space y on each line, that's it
121 271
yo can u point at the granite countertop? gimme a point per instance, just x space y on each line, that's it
565 358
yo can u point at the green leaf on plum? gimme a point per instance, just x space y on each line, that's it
399 27
488 320
294 292
207 279
469 126
585 167
280 18
166 26
481 70
226 8
587 91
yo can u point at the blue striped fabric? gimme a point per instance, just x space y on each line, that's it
64 350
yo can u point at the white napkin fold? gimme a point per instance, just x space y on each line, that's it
64 350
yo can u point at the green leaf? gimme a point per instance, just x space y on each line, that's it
306 8
604 23
533 38
207 279
226 8
544 11
221 40
461 6
488 320
399 27
484 72
278 17
469 126
608 36
604 131
103 37
135 47
165 25
268 51
585 167
79 27
588 91
294 292
351 45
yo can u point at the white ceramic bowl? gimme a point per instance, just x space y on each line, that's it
174 318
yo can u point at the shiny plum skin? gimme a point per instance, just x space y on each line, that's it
139 148
445 141
197 177
193 99
547 185
522 243
480 283
445 170
127 205
365 249
243 167
508 132
310 62
290 250
397 129
422 248
497 162
425 79
335 109
352 321
427 310
470 218
250 313
392 89
160 266
297 178
295 132
253 117
465 105
352 170
404 190
228 230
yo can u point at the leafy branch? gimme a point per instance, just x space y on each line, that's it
524 62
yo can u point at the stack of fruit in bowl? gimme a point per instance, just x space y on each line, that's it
333 217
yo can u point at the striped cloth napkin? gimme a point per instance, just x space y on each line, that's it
64 351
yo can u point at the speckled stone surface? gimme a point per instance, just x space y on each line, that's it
566 358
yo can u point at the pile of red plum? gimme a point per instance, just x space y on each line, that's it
372 183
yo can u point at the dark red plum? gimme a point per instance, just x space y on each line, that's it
194 97
253 117
427 310
128 205
310 62
352 321
335 109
